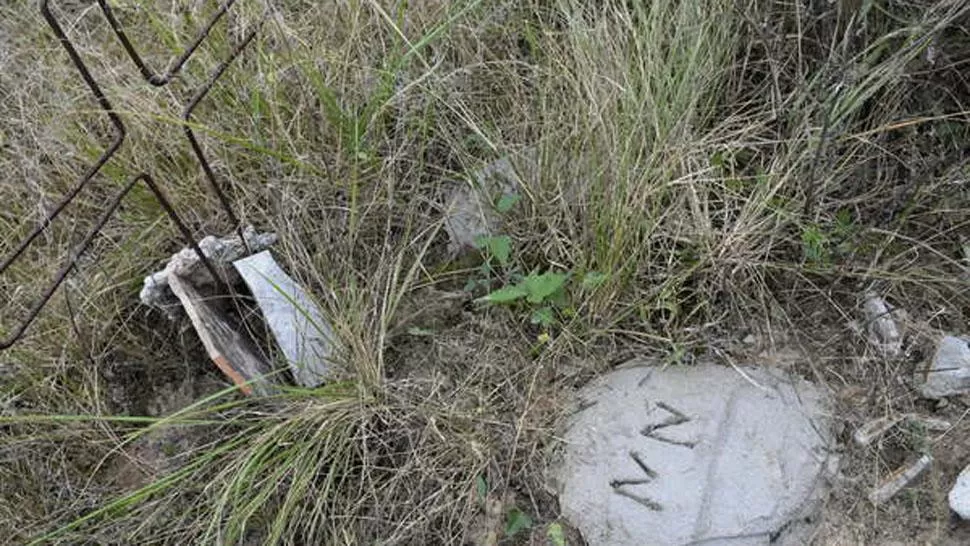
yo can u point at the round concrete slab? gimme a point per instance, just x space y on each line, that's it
694 455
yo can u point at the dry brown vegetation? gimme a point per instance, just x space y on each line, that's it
724 167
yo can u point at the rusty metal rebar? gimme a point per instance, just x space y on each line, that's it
120 132
150 75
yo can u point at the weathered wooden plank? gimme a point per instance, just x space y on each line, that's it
230 350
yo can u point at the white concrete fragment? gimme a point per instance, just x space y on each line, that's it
959 496
899 479
949 372
883 331
876 428
297 323
187 265
694 455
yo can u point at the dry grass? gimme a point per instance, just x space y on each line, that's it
729 167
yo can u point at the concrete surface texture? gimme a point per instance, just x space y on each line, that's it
949 372
959 496
695 455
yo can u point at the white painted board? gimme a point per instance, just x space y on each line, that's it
305 337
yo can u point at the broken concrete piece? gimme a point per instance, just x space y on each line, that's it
949 372
186 264
470 211
959 496
694 455
302 332
899 479
881 326
231 351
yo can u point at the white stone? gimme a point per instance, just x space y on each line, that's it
959 496
949 372
884 333
298 324
694 455
899 479
470 212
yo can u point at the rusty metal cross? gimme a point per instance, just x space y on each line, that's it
120 132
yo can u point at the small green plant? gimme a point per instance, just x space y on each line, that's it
543 292
824 243
496 250
918 437
516 521
481 487
555 534
545 295
815 245
506 202
497 255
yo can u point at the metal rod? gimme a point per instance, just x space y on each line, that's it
59 277
150 75
105 156
184 230
119 139
71 262
197 148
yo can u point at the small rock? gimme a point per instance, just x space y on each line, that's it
899 479
470 211
949 373
959 496
871 430
931 424
876 428
883 331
